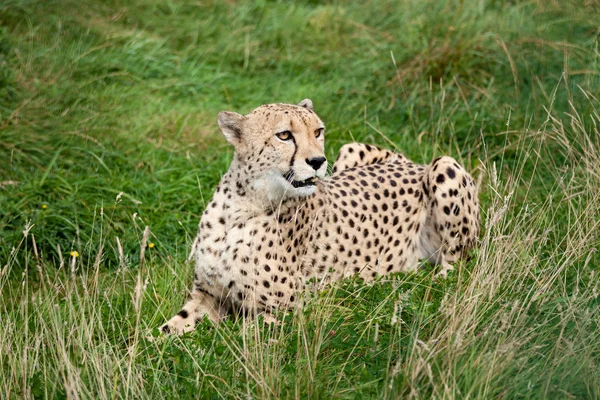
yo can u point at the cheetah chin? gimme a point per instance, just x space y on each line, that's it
276 222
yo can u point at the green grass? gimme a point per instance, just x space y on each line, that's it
108 126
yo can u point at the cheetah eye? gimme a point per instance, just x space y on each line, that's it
319 132
285 135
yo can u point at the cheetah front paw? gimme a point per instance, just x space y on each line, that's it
178 325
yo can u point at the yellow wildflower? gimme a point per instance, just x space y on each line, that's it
74 253
151 245
44 206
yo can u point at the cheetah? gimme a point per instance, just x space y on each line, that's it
276 221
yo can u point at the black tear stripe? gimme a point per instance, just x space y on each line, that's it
295 150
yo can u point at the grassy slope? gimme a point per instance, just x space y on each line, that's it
106 98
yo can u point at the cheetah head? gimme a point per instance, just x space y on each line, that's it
279 148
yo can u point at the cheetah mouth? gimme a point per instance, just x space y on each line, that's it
307 182
312 181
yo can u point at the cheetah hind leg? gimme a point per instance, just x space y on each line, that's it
199 306
446 267
453 213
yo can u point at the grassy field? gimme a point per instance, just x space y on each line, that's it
109 151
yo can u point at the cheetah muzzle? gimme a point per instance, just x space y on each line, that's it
276 221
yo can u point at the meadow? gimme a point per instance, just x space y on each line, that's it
109 151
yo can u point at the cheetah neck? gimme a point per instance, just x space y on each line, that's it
237 201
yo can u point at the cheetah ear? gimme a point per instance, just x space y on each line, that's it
307 103
231 125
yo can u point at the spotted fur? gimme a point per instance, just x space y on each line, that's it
261 239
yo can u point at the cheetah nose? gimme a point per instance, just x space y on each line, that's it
316 162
